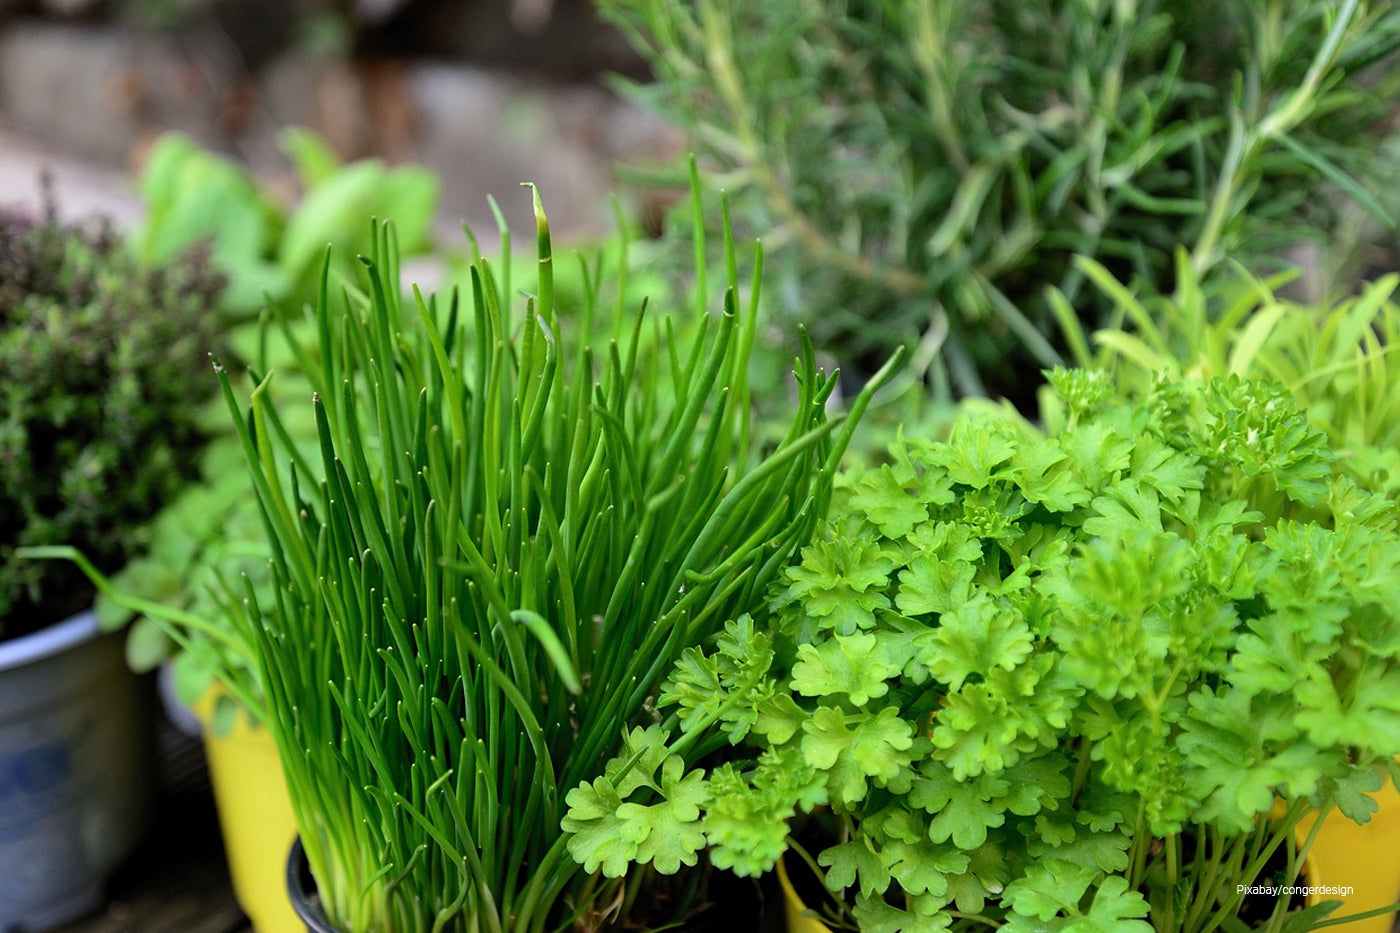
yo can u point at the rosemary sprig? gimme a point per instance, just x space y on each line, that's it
925 170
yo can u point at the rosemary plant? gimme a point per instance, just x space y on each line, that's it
508 540
931 167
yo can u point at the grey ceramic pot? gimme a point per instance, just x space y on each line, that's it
76 770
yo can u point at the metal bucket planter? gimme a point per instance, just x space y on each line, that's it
76 768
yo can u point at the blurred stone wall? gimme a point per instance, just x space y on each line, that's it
488 93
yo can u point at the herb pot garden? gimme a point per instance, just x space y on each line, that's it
525 607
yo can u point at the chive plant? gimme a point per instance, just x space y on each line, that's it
510 537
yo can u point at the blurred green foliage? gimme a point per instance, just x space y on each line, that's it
211 534
272 253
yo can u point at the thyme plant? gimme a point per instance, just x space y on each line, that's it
507 539
101 363
931 167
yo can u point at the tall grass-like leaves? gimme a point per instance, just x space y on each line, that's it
508 540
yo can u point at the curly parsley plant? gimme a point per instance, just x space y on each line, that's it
1087 677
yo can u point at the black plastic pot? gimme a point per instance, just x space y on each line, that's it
301 890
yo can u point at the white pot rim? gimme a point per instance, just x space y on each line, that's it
49 641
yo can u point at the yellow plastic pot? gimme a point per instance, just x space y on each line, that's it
799 918
1365 858
255 816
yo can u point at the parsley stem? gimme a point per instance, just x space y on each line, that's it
1141 841
1081 767
1273 835
1169 908
1297 855
841 906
